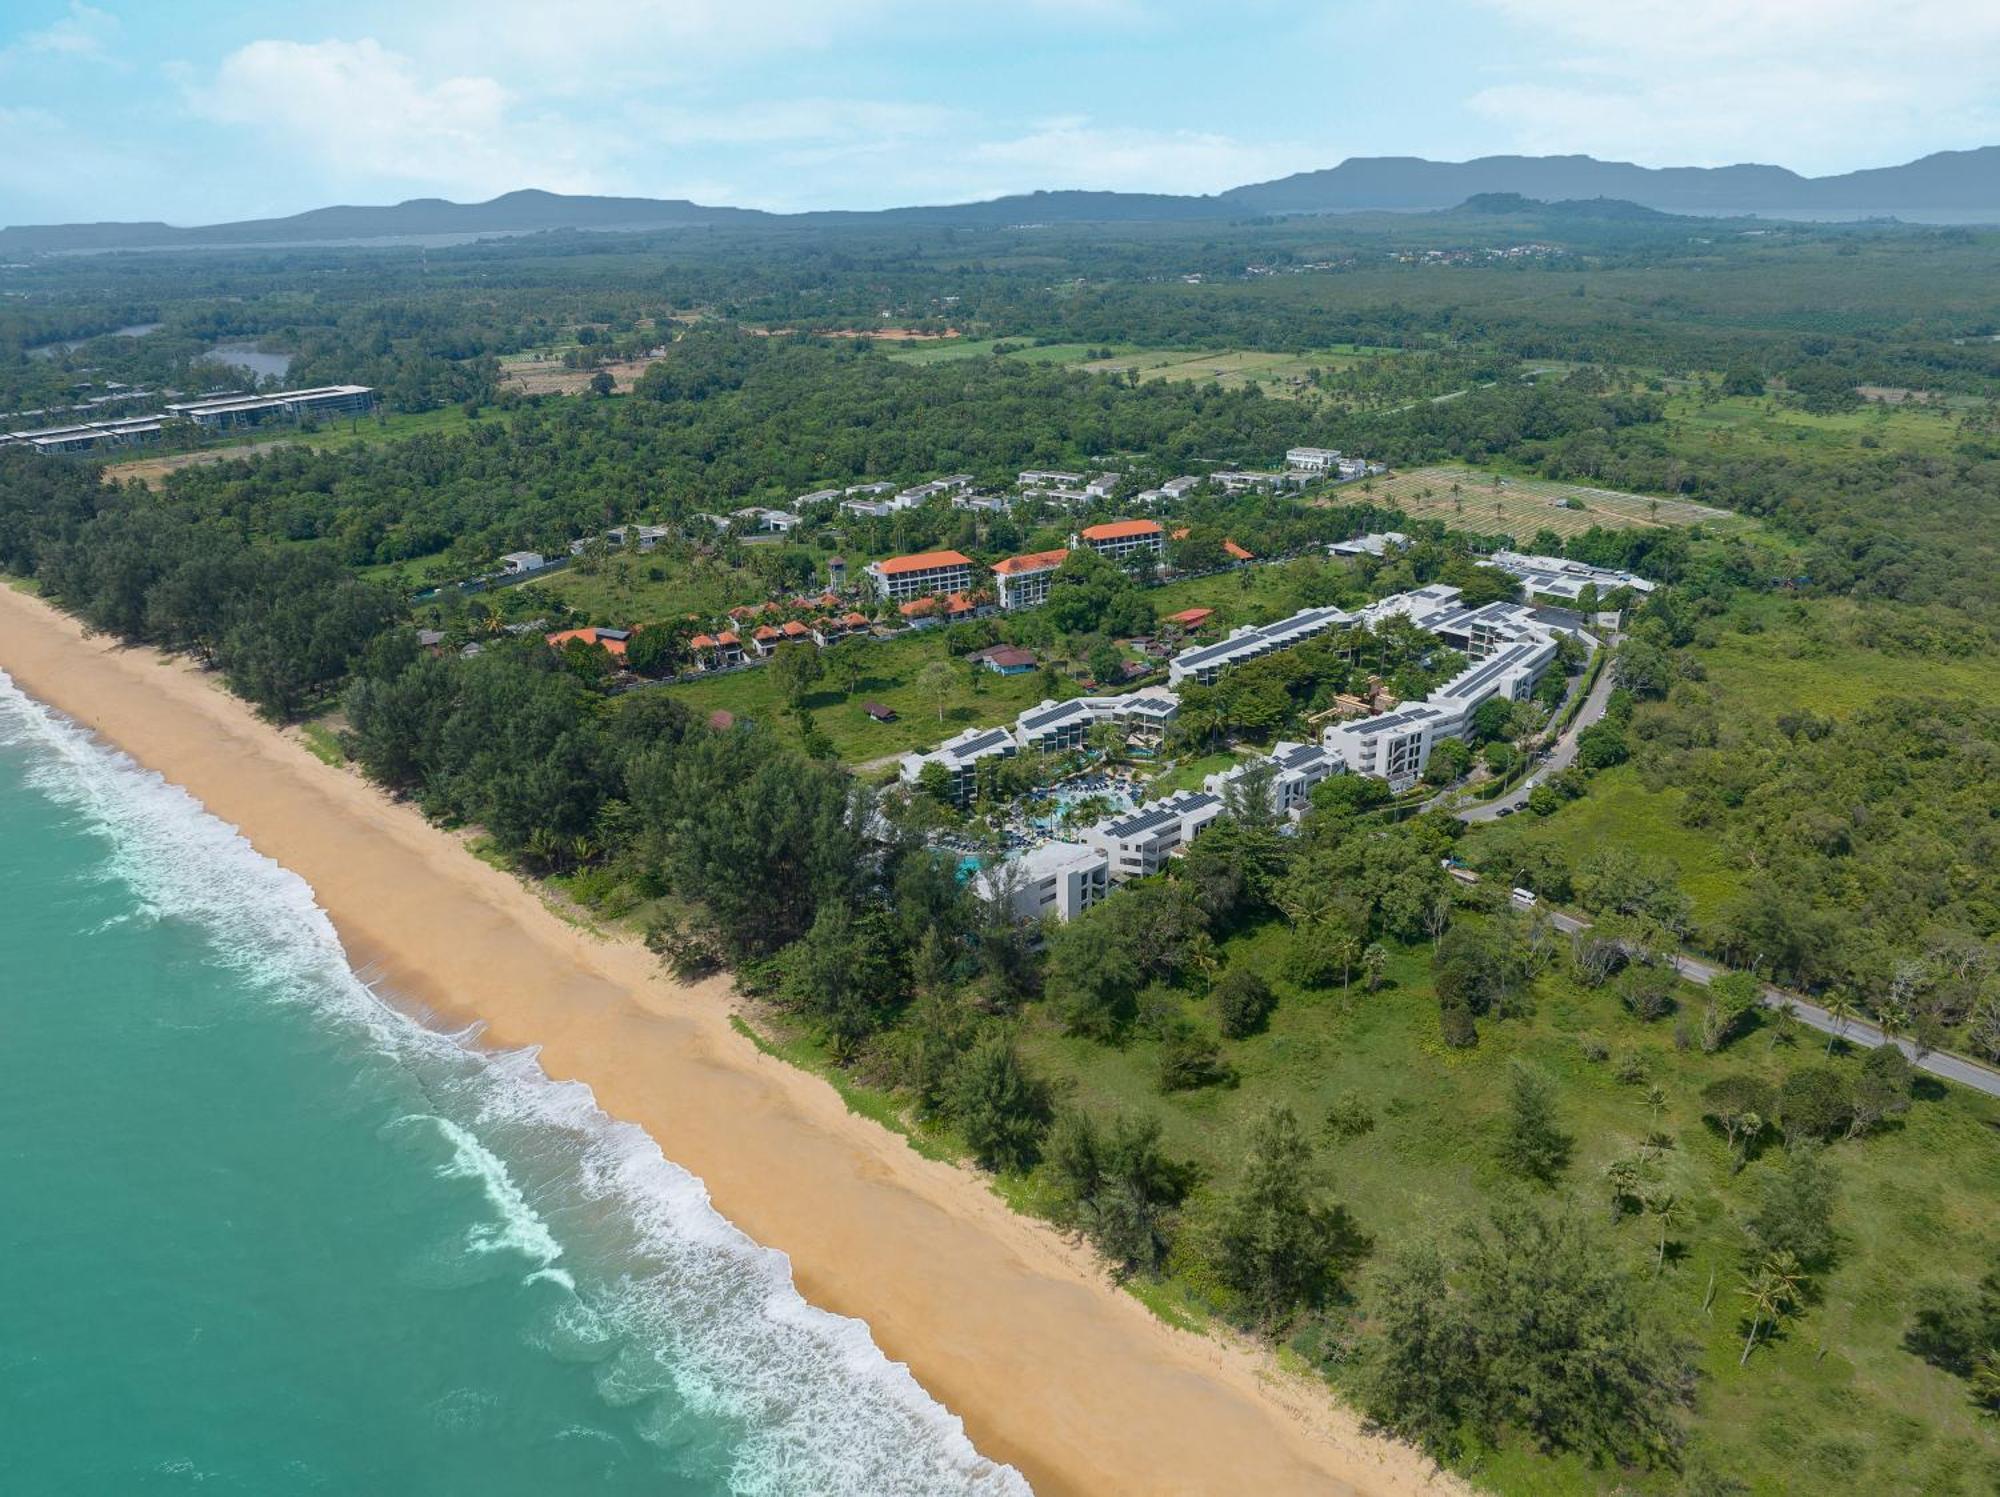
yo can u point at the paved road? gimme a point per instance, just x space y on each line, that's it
1559 758
1855 1031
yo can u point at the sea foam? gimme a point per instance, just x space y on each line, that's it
690 1305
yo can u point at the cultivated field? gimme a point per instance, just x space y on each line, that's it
1467 499
1278 373
550 377
152 471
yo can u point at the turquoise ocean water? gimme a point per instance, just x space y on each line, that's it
261 1234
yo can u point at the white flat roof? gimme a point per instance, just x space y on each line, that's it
222 403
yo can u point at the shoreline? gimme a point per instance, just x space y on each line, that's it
1018 1333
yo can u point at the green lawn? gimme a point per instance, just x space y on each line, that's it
892 668
1836 1405
1233 368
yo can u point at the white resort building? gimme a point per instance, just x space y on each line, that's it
1138 843
1024 581
1117 539
1058 880
924 575
1203 663
1555 577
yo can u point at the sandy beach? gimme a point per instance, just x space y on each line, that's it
1015 1330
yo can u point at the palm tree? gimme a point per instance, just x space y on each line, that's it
1621 1178
1665 1205
1373 962
1892 1019
1346 947
1773 1290
1840 1009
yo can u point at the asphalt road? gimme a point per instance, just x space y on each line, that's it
1559 758
1856 1031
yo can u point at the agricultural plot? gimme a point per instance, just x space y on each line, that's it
537 376
944 351
1278 373
1467 499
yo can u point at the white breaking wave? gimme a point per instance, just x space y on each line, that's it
521 1228
812 1403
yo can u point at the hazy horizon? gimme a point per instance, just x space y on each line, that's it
217 112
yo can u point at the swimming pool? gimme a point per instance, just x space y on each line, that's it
1116 795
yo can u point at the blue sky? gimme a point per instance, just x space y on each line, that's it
205 110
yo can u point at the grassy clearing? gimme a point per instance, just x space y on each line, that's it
1247 595
1621 812
1279 373
1804 656
892 668
974 348
1483 500
1755 426
1835 1403
152 470
628 588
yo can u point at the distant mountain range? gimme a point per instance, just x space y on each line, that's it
1948 182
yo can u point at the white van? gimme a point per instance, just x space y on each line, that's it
1524 898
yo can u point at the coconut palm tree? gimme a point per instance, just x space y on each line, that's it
1773 1290
1374 960
1840 1009
1665 1205
1621 1179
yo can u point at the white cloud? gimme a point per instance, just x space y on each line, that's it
364 116
577 46
1078 152
85 33
787 121
1820 85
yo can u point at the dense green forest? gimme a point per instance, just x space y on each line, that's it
1526 1199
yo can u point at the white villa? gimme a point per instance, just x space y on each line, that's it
1294 768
